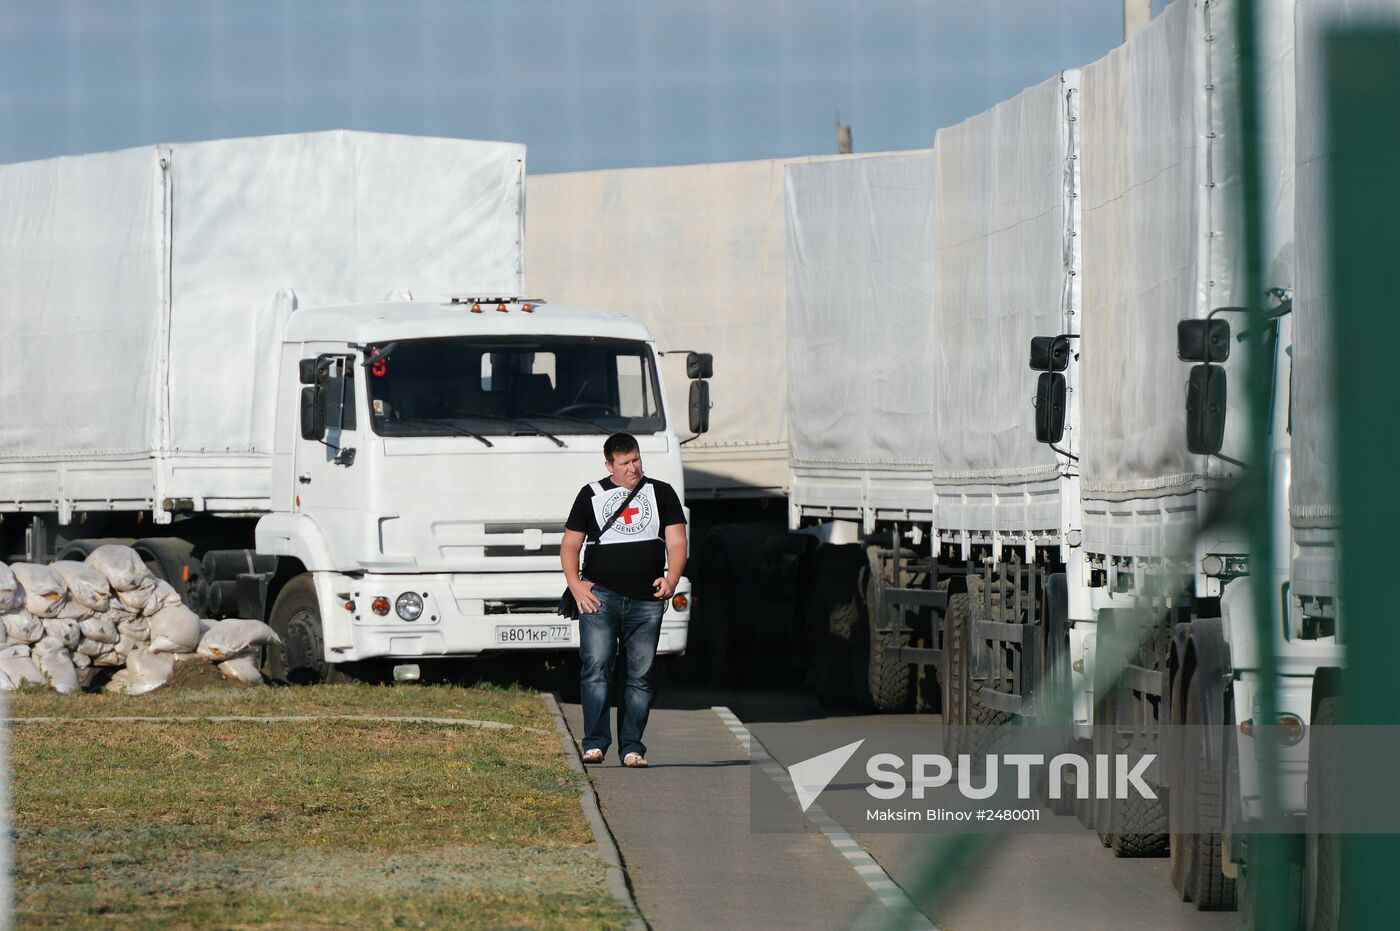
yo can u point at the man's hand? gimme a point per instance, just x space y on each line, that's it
664 587
583 594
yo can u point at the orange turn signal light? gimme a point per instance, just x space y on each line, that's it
680 602
380 605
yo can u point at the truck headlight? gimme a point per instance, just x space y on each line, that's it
409 606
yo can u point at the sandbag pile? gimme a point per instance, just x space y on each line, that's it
64 623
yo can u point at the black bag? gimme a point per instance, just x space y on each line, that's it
568 604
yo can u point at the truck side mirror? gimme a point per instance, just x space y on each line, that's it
699 365
1203 340
1049 353
312 426
306 371
1205 409
699 407
1050 408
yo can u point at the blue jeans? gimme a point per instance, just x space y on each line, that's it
636 624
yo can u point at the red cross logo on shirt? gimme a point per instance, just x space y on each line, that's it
631 511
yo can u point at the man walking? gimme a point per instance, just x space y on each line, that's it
635 530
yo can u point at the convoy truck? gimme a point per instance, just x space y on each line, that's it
300 374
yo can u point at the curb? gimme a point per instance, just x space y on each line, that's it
602 836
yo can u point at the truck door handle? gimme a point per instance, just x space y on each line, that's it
304 478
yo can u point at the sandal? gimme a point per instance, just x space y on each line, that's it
635 760
592 756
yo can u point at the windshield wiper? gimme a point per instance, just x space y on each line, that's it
461 431
539 431
453 429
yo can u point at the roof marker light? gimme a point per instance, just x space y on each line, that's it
527 308
476 308
503 307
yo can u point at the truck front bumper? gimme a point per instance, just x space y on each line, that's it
463 615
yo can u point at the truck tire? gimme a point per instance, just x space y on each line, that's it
889 685
835 620
1206 883
170 558
300 658
1289 913
954 677
984 723
1323 858
710 654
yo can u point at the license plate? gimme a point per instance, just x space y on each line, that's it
530 634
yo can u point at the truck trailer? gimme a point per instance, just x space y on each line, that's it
301 376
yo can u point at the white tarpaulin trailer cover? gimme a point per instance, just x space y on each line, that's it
1160 244
860 344
696 253
1005 263
146 291
1314 504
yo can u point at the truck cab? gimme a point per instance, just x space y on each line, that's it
426 458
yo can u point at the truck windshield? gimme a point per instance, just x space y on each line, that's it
513 385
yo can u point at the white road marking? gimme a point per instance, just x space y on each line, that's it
886 890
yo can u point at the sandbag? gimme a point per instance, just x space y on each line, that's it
86 585
100 628
21 670
121 565
112 658
141 599
126 645
234 636
57 666
23 627
174 630
243 668
93 648
73 611
81 661
65 631
44 592
13 650
137 628
11 592
166 596
86 675
147 671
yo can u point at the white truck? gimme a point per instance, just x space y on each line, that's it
299 373
1102 573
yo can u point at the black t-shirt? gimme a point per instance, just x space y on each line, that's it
633 553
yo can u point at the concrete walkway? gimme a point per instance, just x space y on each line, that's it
682 827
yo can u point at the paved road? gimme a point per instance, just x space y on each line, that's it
684 833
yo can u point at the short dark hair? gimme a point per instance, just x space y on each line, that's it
619 443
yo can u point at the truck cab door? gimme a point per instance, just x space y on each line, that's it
328 482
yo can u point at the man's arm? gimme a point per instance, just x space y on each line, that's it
569 549
675 562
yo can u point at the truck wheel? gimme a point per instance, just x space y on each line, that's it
889 684
712 621
1288 914
1324 855
835 619
954 677
984 722
170 559
301 657
1205 881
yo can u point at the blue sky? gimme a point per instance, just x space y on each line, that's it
584 83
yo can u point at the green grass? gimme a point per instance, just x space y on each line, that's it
324 824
